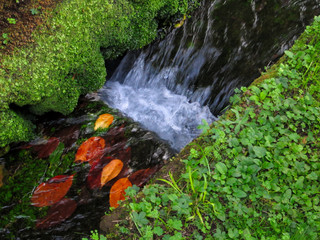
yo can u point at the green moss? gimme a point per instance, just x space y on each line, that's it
16 191
13 127
66 60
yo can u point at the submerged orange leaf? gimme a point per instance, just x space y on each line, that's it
94 176
103 121
90 150
52 191
117 191
111 170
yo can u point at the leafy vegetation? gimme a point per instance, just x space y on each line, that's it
66 59
255 173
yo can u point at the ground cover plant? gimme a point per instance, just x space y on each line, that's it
254 174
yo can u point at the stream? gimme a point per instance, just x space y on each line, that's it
160 95
171 85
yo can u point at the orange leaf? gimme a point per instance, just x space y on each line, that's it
111 170
94 176
103 121
90 150
52 191
117 191
57 213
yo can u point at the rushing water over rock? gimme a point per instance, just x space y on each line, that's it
173 116
172 85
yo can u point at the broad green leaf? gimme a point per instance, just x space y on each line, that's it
158 230
289 54
222 168
260 152
239 193
286 196
140 218
175 223
313 176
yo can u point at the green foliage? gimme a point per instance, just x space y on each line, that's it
6 38
66 60
14 126
35 11
12 20
255 172
17 190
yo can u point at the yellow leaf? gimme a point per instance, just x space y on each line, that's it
111 170
179 24
103 121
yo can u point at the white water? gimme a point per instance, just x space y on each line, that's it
170 85
143 96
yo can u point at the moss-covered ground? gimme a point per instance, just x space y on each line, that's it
254 174
66 52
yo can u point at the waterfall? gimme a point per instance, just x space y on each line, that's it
171 85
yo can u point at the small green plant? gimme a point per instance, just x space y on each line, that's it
6 38
12 20
35 11
95 236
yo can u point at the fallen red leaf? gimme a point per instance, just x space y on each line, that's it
52 191
103 121
57 213
110 171
90 150
117 191
68 135
44 150
142 176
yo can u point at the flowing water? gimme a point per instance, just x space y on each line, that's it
170 86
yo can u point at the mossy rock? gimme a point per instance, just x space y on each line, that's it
65 59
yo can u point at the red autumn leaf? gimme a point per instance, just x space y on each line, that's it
90 150
44 150
103 121
68 135
94 176
142 176
117 191
52 191
57 213
110 171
